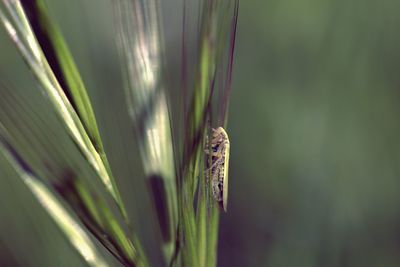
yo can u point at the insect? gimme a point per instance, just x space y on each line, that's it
219 144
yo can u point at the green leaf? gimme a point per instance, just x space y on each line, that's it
28 236
74 82
67 224
51 155
23 37
141 47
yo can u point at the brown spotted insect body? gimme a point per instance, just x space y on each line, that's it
219 165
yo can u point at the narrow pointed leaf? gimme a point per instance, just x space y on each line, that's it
141 47
72 230
37 148
25 40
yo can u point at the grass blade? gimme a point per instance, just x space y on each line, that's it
225 69
25 40
47 29
215 29
47 154
140 43
72 230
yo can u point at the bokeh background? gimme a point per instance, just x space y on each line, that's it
313 123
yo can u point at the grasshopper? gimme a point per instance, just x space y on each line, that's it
219 165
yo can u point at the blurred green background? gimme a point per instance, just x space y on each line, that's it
313 123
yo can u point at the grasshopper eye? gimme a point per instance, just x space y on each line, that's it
221 186
215 148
